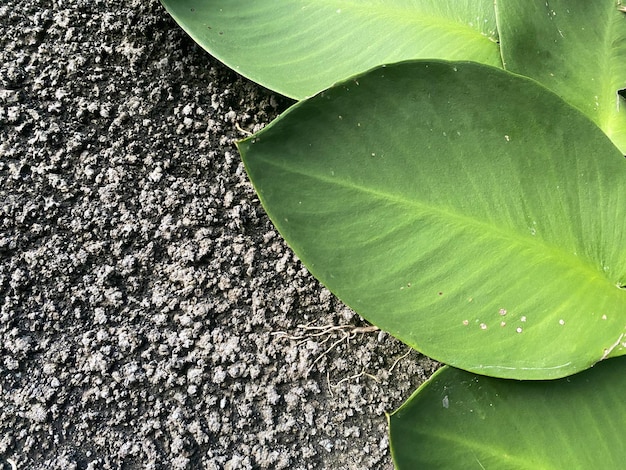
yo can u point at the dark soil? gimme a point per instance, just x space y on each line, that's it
150 315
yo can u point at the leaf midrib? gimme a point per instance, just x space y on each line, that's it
494 452
581 264
410 16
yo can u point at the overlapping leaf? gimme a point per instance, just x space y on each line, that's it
458 420
575 48
468 211
299 47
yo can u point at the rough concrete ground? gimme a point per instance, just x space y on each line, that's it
149 312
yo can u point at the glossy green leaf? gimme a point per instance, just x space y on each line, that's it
457 420
468 211
299 47
577 48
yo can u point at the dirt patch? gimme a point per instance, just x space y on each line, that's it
150 315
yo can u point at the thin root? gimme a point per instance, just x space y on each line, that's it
243 131
347 332
347 379
324 354
398 360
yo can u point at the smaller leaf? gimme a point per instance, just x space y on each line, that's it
298 48
575 48
458 420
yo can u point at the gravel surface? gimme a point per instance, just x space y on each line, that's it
150 315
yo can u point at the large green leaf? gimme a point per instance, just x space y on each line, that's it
577 48
458 420
468 211
299 47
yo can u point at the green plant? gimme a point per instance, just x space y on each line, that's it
472 209
459 420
